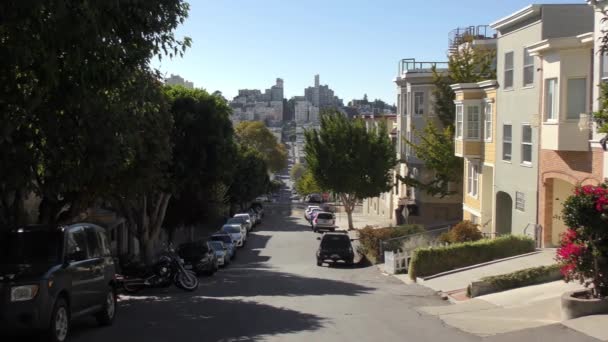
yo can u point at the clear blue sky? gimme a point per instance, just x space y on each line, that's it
354 45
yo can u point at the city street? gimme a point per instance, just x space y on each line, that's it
275 292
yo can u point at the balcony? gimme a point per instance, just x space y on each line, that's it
468 148
409 65
469 34
569 135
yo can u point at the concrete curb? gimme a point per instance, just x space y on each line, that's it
422 279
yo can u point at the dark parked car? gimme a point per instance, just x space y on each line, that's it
335 247
199 257
50 275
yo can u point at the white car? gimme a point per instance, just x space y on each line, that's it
236 233
310 210
247 217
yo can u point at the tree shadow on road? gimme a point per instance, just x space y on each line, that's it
181 317
261 282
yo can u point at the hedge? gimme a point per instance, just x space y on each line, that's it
513 280
433 260
369 238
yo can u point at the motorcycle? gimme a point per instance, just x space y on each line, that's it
167 270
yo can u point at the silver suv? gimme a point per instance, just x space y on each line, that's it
323 221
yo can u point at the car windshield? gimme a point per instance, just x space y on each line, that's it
236 220
231 229
222 238
28 247
325 216
243 216
335 241
216 245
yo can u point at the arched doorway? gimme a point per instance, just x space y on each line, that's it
561 191
504 212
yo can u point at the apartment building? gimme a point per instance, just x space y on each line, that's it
518 111
382 206
475 142
414 110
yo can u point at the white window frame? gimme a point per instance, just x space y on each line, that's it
488 121
526 66
418 103
510 142
526 143
509 70
520 201
472 179
459 120
551 109
470 124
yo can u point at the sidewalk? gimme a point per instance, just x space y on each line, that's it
460 280
360 221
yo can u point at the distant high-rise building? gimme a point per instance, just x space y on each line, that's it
252 104
178 80
322 96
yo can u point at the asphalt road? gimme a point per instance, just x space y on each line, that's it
275 292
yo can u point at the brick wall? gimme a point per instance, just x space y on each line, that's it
574 167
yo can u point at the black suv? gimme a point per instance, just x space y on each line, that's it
199 257
335 247
50 275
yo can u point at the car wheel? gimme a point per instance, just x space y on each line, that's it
106 316
60 322
319 262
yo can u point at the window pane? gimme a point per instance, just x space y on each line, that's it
473 122
459 121
93 243
506 151
528 75
488 121
528 60
506 133
418 103
509 79
550 99
526 153
577 97
604 66
526 134
509 60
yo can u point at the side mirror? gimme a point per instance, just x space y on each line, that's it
354 239
319 238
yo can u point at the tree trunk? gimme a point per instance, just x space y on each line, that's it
147 248
348 203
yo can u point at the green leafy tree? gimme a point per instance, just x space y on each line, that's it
307 184
349 160
73 83
297 171
204 151
256 135
250 176
435 146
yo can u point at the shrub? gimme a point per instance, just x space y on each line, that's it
370 238
521 278
433 260
465 231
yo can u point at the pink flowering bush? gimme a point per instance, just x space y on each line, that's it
583 253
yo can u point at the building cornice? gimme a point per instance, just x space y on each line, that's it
474 86
562 43
519 16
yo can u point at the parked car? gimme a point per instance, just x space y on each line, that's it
263 198
228 242
335 247
248 219
323 220
309 212
50 275
199 257
238 220
257 219
314 198
259 208
221 253
259 211
236 232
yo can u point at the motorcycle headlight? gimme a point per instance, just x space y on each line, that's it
23 293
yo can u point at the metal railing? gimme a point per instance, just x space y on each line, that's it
410 64
462 35
536 232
